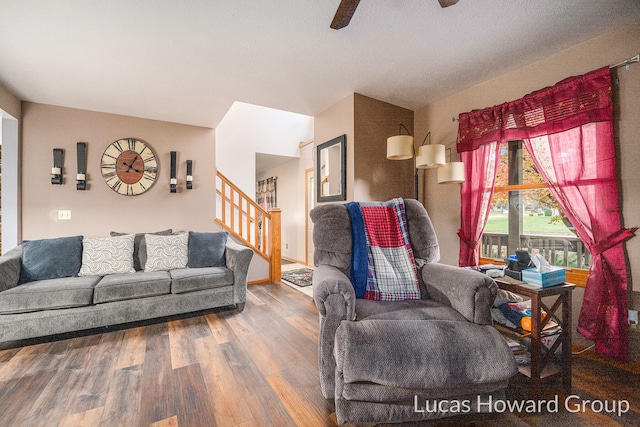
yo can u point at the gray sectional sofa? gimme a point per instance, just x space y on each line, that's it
60 301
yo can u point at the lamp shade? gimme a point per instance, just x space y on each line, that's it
430 156
400 147
451 173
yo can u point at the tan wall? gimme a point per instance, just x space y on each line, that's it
9 103
443 201
368 123
333 122
100 210
375 177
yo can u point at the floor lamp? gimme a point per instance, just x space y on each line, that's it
400 147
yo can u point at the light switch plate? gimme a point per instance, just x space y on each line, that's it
64 215
633 317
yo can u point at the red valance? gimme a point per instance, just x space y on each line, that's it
571 103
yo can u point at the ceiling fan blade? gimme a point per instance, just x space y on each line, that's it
447 3
344 13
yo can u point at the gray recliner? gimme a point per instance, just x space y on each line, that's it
395 361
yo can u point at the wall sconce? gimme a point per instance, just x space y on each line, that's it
189 175
452 172
400 147
81 177
56 170
173 182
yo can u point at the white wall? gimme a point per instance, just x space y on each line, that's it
291 200
249 129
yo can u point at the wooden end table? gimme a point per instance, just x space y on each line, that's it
542 366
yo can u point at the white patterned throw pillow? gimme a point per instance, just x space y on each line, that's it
166 252
107 255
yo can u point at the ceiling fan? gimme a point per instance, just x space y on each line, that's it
348 7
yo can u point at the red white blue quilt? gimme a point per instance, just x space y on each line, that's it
383 266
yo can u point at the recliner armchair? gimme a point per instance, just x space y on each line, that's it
395 361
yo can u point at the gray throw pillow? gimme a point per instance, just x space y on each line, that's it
140 247
51 258
207 249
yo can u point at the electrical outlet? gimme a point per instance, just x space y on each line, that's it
64 215
286 246
633 317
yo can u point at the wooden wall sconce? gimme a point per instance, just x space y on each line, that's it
56 170
81 177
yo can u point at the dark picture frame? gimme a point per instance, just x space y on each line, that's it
331 170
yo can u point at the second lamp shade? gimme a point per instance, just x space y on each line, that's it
430 156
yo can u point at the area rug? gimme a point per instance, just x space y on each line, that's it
300 277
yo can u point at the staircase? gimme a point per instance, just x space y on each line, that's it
250 223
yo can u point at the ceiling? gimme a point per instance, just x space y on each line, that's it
188 61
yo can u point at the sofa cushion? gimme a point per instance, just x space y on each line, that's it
140 247
165 253
51 258
405 310
196 279
117 287
107 255
48 294
207 249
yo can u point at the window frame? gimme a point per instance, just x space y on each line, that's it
578 276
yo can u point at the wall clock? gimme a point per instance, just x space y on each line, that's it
129 166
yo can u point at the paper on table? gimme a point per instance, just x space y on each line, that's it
541 264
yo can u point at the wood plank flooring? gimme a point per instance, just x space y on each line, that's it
223 368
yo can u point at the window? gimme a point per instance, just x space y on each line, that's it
525 215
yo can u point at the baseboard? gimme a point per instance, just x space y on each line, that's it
295 261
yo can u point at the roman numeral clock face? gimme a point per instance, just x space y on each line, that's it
129 166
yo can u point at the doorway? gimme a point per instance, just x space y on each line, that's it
9 164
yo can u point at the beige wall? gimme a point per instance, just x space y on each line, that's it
367 124
100 210
375 177
443 201
335 121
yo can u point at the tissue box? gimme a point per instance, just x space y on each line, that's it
544 279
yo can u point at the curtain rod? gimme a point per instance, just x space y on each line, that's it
626 62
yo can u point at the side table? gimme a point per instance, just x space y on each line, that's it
542 366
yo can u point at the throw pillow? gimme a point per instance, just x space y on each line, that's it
140 247
207 249
166 252
107 255
51 258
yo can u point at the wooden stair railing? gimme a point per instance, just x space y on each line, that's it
249 222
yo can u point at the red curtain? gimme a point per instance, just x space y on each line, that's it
481 166
568 131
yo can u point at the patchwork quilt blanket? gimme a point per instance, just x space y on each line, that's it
382 264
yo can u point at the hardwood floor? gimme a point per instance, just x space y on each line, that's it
223 368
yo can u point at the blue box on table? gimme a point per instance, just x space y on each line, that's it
544 279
